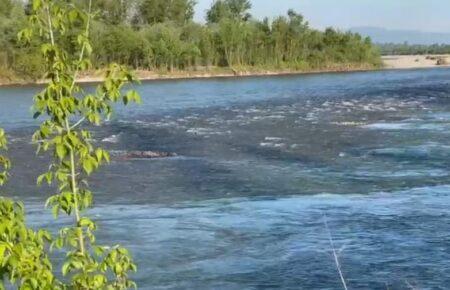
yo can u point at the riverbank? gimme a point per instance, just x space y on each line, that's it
146 75
388 62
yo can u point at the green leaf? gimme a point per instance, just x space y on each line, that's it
88 48
133 96
66 268
36 115
61 151
73 15
88 166
99 154
36 4
40 179
55 211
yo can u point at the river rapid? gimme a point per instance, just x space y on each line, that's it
261 164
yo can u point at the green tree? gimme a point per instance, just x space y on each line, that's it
160 34
110 11
118 43
235 9
6 6
158 11
232 35
66 107
12 19
207 47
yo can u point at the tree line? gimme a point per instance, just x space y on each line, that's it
413 49
161 35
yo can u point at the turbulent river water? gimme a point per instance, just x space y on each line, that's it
262 164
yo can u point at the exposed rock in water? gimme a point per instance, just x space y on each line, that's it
146 154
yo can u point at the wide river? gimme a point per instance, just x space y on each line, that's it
262 164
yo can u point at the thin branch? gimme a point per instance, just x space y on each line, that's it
68 127
336 259
50 30
83 47
77 123
50 25
75 192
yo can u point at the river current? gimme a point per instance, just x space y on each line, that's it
261 164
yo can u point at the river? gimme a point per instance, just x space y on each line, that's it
262 163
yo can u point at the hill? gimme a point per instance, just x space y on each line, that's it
382 35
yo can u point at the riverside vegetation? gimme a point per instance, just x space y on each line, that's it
161 36
413 49
26 254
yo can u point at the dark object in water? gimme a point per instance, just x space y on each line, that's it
147 155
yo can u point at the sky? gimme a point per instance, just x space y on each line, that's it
423 15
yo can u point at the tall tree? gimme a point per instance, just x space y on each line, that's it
235 9
64 133
6 7
12 19
113 11
158 11
110 11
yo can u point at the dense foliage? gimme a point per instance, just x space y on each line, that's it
413 49
161 35
62 31
23 252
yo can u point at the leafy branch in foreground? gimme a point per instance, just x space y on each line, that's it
23 259
66 107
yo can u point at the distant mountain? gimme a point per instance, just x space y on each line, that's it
382 35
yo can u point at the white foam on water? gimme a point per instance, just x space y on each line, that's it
408 125
273 139
410 173
272 145
388 126
349 123
275 117
348 104
206 132
112 139
429 149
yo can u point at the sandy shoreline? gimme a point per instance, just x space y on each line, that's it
389 63
179 75
415 61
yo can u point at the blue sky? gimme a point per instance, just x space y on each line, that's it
424 15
